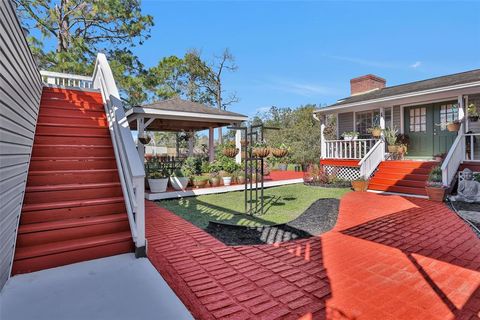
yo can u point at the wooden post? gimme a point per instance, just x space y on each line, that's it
141 133
211 145
238 145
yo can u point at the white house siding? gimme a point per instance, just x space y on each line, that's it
345 122
396 117
20 92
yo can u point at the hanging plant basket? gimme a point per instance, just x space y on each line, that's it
244 143
261 152
144 140
279 152
376 132
454 126
230 152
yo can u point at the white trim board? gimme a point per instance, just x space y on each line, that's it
223 189
398 194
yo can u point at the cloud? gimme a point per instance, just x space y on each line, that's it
416 65
306 89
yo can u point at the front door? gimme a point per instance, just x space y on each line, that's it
425 126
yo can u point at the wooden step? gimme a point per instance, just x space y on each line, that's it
396 182
63 230
39 257
408 164
72 105
420 171
397 189
73 139
44 177
71 163
67 150
400 176
62 130
73 96
71 192
45 212
54 111
472 165
74 120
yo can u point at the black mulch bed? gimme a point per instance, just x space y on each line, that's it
465 206
320 217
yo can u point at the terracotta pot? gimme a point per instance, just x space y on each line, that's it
453 127
199 183
279 152
435 193
392 149
261 152
214 182
230 152
376 133
359 185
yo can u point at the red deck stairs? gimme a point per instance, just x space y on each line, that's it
402 176
73 208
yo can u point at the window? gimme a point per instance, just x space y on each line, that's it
448 113
388 118
365 120
418 119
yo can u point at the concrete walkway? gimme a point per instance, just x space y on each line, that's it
119 287
388 257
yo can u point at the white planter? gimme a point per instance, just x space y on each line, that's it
350 138
179 183
227 181
158 185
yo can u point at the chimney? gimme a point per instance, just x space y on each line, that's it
366 84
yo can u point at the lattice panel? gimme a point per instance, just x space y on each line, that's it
346 173
460 175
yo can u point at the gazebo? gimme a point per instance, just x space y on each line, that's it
177 115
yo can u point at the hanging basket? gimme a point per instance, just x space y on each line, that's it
376 132
244 143
144 140
279 152
452 127
230 152
261 152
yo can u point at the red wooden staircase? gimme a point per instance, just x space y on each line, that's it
73 208
402 176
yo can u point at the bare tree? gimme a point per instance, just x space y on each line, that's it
220 64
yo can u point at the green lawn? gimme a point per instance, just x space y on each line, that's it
282 204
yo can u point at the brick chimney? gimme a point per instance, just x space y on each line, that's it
366 83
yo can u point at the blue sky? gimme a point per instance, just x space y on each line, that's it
293 53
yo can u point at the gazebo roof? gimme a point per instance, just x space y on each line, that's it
177 114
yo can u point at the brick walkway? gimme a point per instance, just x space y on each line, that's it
387 258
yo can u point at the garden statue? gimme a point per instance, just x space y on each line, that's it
468 188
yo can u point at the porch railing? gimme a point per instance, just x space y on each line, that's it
454 158
66 79
348 149
372 159
131 170
472 146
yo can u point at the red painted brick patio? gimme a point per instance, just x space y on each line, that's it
388 257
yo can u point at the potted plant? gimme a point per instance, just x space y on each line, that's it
390 135
214 179
158 181
401 149
229 150
375 131
260 150
454 125
360 184
280 151
472 112
226 178
439 157
144 139
148 156
350 135
199 181
179 179
240 175
434 186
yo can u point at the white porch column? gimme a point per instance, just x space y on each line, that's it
141 133
323 145
238 145
382 126
211 145
190 143
461 113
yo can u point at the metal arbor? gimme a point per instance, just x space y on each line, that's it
254 168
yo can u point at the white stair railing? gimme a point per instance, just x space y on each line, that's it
348 149
131 170
66 79
454 158
372 159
